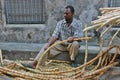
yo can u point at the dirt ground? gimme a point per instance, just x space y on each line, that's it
112 73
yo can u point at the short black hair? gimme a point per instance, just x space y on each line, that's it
71 8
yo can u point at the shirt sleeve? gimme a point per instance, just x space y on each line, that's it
79 29
56 31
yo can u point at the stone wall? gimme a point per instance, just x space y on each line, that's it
85 10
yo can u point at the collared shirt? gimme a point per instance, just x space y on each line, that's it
63 31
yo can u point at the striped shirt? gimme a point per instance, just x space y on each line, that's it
63 31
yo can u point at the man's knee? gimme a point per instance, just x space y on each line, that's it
76 44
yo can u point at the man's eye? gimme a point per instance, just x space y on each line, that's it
66 13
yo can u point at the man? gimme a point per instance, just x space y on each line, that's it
68 28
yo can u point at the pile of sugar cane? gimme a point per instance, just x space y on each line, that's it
61 70
110 17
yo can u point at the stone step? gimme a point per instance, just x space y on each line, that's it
13 46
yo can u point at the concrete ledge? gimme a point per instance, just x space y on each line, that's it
95 49
28 51
13 46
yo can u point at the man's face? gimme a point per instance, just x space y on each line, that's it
68 15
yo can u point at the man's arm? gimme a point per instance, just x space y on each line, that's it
54 36
51 41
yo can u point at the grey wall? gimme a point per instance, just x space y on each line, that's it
85 10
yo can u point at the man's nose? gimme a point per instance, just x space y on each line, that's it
65 15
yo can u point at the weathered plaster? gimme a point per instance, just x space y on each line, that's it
85 10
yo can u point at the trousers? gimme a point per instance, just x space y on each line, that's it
72 48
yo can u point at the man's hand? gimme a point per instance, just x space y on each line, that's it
70 39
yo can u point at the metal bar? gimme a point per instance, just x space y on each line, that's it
25 11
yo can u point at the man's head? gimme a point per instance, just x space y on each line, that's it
68 13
